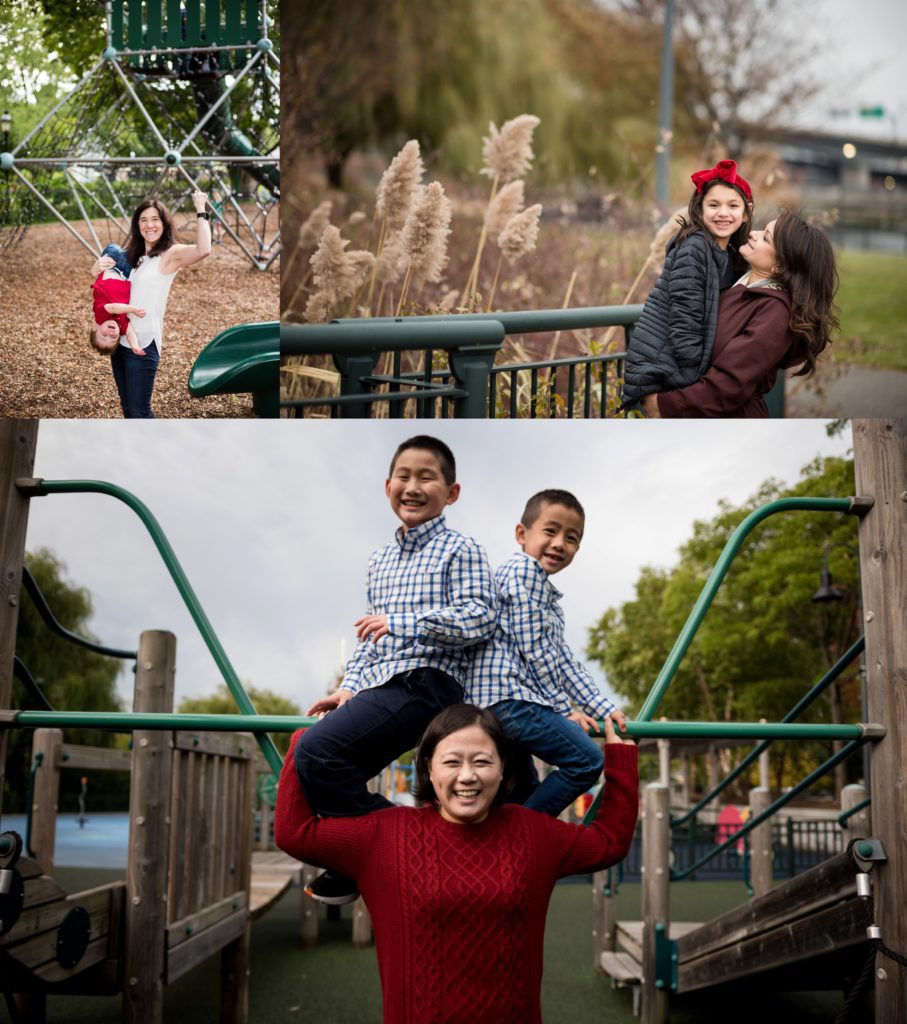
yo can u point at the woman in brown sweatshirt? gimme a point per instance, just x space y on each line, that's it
780 314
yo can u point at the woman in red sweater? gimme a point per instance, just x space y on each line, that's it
458 889
781 314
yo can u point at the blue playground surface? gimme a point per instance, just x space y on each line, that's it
101 841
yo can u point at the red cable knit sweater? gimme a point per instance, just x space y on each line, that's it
459 910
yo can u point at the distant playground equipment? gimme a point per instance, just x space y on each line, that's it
185 95
131 941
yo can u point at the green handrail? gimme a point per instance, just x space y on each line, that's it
39 487
782 800
733 545
521 321
830 676
125 721
845 816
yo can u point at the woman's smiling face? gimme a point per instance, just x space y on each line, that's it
150 225
759 251
466 771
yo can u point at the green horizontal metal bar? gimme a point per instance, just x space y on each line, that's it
528 321
553 364
182 585
250 722
845 816
367 335
52 623
784 799
394 397
126 721
733 545
830 676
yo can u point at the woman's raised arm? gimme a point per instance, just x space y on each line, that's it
185 255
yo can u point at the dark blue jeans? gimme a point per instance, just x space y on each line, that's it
134 376
559 742
118 255
337 756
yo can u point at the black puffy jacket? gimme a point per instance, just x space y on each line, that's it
671 344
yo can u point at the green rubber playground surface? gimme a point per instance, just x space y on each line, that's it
336 984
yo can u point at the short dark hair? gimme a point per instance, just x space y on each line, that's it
430 444
552 496
451 720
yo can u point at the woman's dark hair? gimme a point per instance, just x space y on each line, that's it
135 244
696 223
451 720
807 272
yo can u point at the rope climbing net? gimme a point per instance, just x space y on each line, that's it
185 95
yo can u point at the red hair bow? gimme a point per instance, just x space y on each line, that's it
724 170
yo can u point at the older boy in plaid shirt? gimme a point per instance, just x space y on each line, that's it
526 674
430 598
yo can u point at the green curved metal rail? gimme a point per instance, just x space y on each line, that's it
733 545
44 487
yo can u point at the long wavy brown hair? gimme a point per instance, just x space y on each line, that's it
135 244
806 270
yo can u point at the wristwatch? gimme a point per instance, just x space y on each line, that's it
206 216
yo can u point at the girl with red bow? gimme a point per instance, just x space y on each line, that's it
672 343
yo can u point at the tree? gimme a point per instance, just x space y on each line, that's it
221 702
743 62
70 677
763 642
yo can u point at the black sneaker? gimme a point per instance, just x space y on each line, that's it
332 889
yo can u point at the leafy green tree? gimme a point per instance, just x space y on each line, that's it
763 642
70 677
221 702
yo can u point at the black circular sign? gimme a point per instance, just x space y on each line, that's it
73 937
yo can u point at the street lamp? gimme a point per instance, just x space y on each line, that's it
827 594
6 123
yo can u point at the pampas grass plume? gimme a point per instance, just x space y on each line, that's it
508 153
399 186
336 272
506 204
313 227
520 234
425 233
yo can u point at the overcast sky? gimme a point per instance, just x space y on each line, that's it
862 67
273 522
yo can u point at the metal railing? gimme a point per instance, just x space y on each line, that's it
470 385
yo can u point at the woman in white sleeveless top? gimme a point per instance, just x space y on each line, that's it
156 258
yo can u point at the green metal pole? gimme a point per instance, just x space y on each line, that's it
125 721
733 545
43 487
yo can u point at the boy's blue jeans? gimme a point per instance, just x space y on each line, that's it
337 756
557 741
118 256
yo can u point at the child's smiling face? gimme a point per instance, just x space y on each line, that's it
723 211
417 489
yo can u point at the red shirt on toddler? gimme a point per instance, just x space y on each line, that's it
111 289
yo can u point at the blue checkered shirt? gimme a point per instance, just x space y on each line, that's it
527 658
436 589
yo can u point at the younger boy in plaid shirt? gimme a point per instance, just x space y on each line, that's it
430 597
526 674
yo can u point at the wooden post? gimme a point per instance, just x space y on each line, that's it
761 852
685 790
17 459
857 825
308 909
604 920
655 900
149 828
48 743
664 762
235 956
880 458
362 924
713 768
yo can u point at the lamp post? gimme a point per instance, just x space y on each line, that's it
828 593
6 123
665 110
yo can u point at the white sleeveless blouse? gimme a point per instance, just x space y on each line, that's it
150 289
